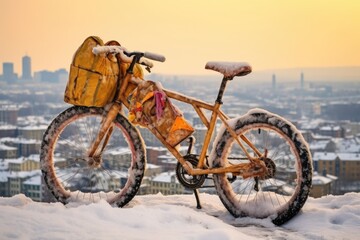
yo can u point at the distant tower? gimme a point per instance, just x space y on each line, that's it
302 81
26 68
8 72
302 94
274 82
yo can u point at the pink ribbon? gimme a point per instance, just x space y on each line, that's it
160 98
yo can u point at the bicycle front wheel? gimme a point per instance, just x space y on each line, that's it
71 176
282 192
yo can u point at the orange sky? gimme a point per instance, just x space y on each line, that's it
268 34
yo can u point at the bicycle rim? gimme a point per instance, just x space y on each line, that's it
281 194
73 177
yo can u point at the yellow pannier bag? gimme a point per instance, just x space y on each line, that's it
149 105
93 78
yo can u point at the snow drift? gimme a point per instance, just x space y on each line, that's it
174 217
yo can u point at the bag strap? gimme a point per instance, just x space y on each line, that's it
118 60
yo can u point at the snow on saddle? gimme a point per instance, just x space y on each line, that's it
230 69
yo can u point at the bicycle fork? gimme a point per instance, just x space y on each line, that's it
104 132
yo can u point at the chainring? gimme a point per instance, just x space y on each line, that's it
187 180
271 168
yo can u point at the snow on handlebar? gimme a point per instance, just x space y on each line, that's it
123 51
154 56
107 49
113 49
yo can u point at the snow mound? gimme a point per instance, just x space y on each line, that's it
174 217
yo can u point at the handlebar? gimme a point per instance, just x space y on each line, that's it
154 56
128 56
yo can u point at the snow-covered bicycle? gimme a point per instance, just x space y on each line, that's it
260 163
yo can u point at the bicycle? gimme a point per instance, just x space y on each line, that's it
260 163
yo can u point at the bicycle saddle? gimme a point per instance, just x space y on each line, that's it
230 69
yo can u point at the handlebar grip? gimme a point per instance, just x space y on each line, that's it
106 49
100 49
154 56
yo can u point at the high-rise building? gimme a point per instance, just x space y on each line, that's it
26 68
302 81
8 72
274 82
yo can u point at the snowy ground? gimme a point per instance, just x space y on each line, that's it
174 217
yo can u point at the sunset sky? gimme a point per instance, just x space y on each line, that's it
269 34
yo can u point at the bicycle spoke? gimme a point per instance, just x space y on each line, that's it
72 144
76 177
268 194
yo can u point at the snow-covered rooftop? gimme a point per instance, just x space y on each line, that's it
331 156
165 177
321 180
34 157
34 127
7 127
20 140
34 180
6 148
319 145
23 174
119 151
348 145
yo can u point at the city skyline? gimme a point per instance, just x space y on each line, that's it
27 75
269 35
9 74
331 74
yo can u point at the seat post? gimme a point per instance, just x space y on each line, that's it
222 89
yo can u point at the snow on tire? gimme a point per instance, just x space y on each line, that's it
280 196
67 169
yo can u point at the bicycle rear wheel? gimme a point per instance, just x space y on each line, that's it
71 176
283 191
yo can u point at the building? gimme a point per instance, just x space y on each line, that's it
167 162
302 81
32 132
332 131
24 163
119 158
151 171
7 152
60 75
149 138
348 145
8 130
25 147
167 184
200 134
342 111
323 185
153 153
4 188
32 187
322 146
274 82
8 72
26 68
9 114
345 166
19 173
16 181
